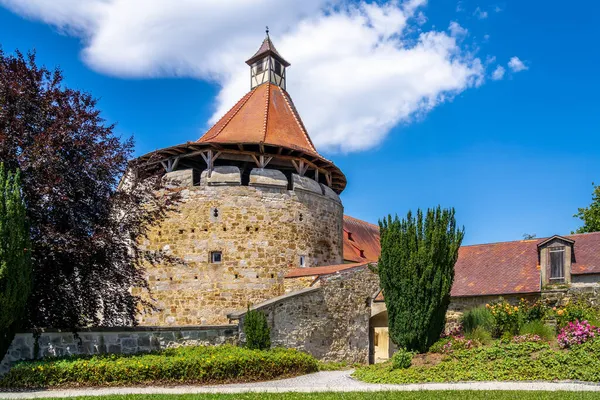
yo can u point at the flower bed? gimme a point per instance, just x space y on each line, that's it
577 333
526 361
216 364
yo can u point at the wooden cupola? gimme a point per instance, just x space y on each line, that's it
267 65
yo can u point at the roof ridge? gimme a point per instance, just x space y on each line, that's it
540 239
267 103
240 103
297 118
361 220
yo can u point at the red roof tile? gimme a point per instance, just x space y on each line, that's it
512 267
587 253
361 240
265 115
485 269
317 271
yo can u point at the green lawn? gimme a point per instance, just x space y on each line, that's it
422 395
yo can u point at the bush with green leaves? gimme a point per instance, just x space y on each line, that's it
198 365
479 317
539 328
402 359
579 309
15 259
526 361
480 335
416 270
257 331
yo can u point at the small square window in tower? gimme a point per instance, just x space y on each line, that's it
557 264
216 257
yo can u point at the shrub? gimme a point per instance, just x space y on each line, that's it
200 365
578 310
401 359
15 260
539 328
477 317
439 346
416 270
507 318
480 335
533 312
257 331
577 333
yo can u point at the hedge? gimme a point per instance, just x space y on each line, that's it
198 365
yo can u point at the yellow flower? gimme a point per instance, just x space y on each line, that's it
560 312
516 308
487 306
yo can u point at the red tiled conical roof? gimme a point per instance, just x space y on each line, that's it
265 115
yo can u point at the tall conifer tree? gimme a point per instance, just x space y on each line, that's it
416 269
15 262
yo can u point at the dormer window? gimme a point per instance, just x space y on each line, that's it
557 264
556 255
350 236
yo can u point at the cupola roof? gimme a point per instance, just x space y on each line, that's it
267 48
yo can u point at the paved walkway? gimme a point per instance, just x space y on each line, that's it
330 381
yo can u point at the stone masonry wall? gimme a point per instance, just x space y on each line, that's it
261 230
331 322
114 340
459 305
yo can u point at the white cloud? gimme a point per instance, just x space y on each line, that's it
497 9
456 30
357 70
486 37
498 73
516 65
460 7
479 13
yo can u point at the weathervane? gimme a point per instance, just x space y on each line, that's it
267 30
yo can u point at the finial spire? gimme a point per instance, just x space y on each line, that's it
267 30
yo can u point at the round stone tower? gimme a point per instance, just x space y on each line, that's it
256 200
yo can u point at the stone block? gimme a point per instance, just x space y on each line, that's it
226 175
181 178
268 177
306 184
129 342
328 192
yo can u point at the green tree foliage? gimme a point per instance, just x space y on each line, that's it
590 215
416 269
15 261
257 331
84 228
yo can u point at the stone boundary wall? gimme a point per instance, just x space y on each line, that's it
56 343
330 322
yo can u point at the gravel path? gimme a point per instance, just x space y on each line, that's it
329 381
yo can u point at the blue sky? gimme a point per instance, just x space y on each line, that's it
513 156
